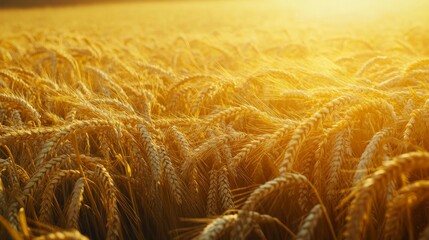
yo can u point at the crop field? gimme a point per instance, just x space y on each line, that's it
215 120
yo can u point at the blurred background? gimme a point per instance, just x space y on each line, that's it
313 7
35 3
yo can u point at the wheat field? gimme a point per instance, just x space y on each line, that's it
214 120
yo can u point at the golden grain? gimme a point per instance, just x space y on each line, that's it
145 126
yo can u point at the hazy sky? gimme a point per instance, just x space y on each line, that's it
52 2
315 8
